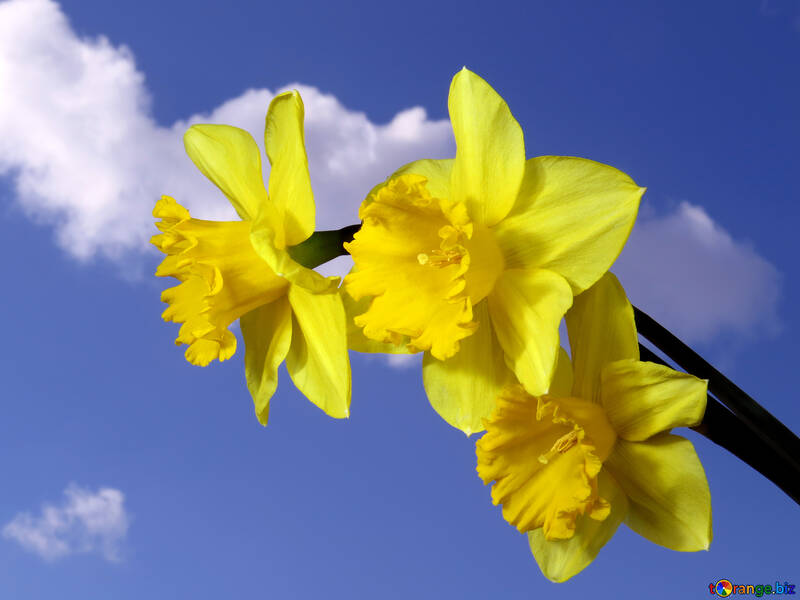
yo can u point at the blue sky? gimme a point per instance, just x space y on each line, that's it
161 480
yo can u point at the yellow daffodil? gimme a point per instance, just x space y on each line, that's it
570 466
475 260
244 269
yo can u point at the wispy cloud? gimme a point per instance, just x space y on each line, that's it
691 275
786 9
404 361
80 146
85 522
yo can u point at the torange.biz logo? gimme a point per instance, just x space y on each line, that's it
725 588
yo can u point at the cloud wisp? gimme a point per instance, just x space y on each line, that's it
85 522
692 276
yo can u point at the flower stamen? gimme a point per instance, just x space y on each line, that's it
442 258
561 446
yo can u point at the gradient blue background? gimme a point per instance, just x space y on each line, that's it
695 100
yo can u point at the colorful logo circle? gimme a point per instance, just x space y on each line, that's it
724 588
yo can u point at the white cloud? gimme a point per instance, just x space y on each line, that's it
84 154
688 273
404 361
78 141
85 522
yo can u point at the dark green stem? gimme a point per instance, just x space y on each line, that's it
723 428
770 430
323 246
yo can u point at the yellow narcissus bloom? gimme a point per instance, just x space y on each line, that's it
243 269
475 260
570 466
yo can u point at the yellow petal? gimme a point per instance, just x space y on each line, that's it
561 386
572 216
561 559
544 455
643 398
317 361
490 150
289 182
670 503
463 388
601 330
230 158
267 333
526 308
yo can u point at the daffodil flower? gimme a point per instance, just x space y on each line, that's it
475 260
570 466
244 269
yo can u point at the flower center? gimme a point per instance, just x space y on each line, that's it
544 455
411 257
486 263
562 444
441 258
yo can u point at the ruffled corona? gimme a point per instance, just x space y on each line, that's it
221 278
425 262
544 455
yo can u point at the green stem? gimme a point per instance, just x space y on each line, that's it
323 246
723 428
770 430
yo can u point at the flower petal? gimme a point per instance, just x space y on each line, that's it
561 386
643 398
289 182
267 333
572 216
463 388
526 308
317 360
230 158
670 503
561 559
601 330
490 150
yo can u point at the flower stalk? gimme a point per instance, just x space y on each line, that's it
323 246
755 417
727 430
